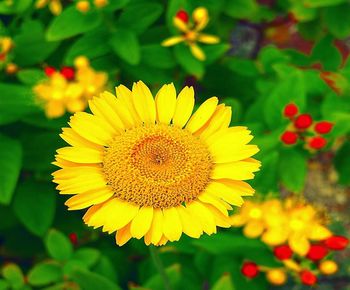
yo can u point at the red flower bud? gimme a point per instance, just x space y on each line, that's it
182 15
323 127
73 237
290 110
303 121
317 142
289 137
250 270
336 243
68 72
49 71
283 252
317 252
308 278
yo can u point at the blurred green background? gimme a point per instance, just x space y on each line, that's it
270 53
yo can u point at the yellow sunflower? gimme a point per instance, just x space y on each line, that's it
146 168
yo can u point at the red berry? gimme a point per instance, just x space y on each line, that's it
49 70
303 121
289 137
317 252
68 72
182 15
336 243
290 110
323 127
308 278
250 269
73 237
283 252
317 142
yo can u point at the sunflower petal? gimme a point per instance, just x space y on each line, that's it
142 222
144 102
172 224
166 103
184 107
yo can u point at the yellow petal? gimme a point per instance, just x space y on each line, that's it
253 229
319 233
124 96
55 7
172 40
162 241
178 23
209 39
74 139
80 154
239 170
240 187
142 222
227 193
144 102
190 225
299 244
72 172
202 115
88 198
166 103
123 235
172 224
216 202
184 107
81 183
92 128
275 236
201 18
197 51
200 212
220 219
155 232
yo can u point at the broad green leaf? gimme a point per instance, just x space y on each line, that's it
30 76
45 273
58 245
115 5
241 9
157 56
13 274
245 67
214 51
105 267
139 16
334 19
4 285
189 63
270 55
126 45
327 54
174 275
341 163
322 3
31 46
292 169
91 281
224 283
72 22
13 7
88 256
10 163
34 204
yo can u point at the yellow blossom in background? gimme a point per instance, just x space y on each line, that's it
6 45
55 6
279 222
148 168
60 93
191 31
83 6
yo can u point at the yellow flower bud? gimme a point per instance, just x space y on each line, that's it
81 61
100 3
328 267
83 6
6 44
276 277
200 14
11 68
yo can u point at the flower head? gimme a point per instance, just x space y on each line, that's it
146 168
69 89
191 31
55 6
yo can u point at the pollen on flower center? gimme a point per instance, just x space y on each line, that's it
157 165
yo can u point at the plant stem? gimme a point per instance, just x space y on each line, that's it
160 267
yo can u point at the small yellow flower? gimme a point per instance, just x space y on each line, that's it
83 6
276 222
276 277
6 44
60 93
55 6
11 68
328 267
100 3
191 31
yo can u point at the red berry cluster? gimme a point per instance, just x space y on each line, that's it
317 254
66 71
301 127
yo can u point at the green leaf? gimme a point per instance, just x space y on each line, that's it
88 256
139 16
322 3
30 76
224 283
105 268
188 61
58 245
174 275
157 56
245 67
91 281
126 45
13 274
292 169
4 285
18 6
214 51
34 205
31 46
45 273
72 22
326 53
241 8
10 163
341 163
334 19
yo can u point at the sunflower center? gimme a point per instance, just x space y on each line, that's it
157 165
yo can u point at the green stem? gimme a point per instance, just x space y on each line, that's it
160 267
